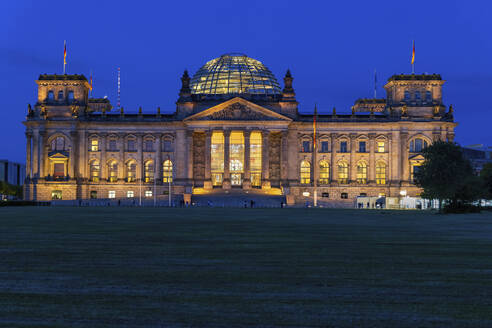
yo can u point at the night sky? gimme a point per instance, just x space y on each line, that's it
331 47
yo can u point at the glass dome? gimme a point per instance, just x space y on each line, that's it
234 74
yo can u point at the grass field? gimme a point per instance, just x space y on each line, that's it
107 267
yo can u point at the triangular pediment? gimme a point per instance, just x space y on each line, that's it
58 154
237 109
416 157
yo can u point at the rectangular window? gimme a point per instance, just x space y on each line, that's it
324 146
131 145
112 145
111 194
149 145
306 147
93 194
380 148
148 193
344 195
58 170
255 154
325 195
362 146
167 146
343 146
94 145
217 157
129 194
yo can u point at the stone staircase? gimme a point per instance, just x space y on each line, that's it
238 198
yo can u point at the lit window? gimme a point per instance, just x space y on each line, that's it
255 158
131 171
381 173
217 157
343 146
94 145
94 171
343 172
148 193
305 172
324 146
362 173
58 170
113 171
362 146
56 194
149 171
167 171
306 146
324 172
129 194
111 194
381 147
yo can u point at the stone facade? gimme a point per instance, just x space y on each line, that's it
80 148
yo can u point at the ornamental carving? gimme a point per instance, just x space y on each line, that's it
199 155
237 111
274 155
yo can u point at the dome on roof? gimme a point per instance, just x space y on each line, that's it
234 74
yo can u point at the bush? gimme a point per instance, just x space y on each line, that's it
461 209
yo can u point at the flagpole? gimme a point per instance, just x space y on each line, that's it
375 84
413 57
315 151
64 55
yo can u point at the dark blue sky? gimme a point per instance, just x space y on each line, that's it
331 47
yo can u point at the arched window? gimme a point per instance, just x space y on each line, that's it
167 171
94 171
131 144
131 171
381 173
343 172
407 96
417 145
51 95
70 95
60 95
417 95
305 172
149 171
113 171
362 173
58 143
428 96
324 172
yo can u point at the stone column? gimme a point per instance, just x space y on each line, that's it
35 154
389 168
333 164
207 184
404 156
394 154
189 145
226 184
121 148
103 166
181 153
28 155
265 163
140 164
372 165
42 137
292 156
82 166
158 158
72 159
352 165
247 160
284 158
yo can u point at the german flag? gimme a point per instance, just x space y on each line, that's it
64 52
413 52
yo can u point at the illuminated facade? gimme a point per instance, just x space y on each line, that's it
233 128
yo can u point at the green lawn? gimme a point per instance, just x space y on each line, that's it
131 267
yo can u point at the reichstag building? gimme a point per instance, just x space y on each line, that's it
235 129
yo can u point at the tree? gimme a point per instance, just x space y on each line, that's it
445 173
486 176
